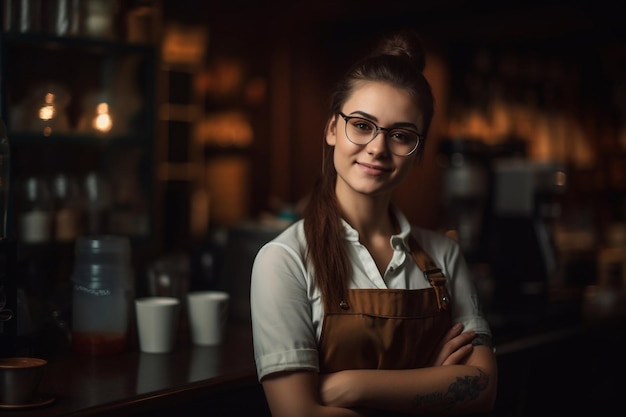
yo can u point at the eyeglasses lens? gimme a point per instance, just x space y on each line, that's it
400 141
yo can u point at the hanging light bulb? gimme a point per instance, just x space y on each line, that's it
47 111
103 122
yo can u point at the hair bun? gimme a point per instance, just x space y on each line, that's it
406 44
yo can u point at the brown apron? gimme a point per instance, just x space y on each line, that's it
387 328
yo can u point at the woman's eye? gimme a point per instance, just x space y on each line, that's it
403 136
399 136
361 125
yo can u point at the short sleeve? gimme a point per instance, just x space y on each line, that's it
283 334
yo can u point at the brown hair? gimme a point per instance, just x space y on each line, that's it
399 60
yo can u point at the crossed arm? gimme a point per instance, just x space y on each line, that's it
462 379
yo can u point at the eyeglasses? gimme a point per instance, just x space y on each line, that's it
401 142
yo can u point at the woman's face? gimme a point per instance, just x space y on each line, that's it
372 169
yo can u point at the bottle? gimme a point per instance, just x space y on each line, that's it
68 209
102 296
35 211
97 192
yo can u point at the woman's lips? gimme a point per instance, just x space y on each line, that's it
373 169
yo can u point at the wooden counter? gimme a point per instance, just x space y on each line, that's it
550 368
221 378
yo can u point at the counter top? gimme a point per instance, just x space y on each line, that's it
133 382
221 380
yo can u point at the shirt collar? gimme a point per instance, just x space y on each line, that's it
351 234
401 240
397 241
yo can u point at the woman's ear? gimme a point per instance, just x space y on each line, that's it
331 131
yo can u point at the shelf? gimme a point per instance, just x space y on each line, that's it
42 40
78 139
70 77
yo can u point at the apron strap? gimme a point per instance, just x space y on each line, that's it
431 271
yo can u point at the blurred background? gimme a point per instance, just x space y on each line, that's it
194 128
526 158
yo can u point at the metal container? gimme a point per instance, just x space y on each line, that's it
19 379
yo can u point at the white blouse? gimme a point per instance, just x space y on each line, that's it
286 308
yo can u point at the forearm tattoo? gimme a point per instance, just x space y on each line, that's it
464 388
481 339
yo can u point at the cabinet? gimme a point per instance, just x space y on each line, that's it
81 117
82 111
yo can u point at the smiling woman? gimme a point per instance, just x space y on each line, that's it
354 310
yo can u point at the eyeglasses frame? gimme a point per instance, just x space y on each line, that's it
385 130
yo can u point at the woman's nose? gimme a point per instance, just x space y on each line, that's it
378 145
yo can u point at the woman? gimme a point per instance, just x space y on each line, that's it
355 312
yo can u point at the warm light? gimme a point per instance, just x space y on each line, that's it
47 111
230 128
103 120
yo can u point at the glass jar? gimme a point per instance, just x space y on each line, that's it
35 211
68 209
102 297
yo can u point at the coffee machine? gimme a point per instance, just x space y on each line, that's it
466 184
502 205
521 249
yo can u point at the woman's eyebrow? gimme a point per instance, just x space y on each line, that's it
375 119
365 115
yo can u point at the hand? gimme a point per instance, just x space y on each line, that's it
454 347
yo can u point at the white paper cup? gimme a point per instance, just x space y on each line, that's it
157 323
208 313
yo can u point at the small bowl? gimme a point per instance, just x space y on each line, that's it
20 378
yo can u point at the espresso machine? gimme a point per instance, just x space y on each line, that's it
502 206
466 184
521 249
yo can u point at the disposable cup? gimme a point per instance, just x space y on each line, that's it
157 323
208 314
